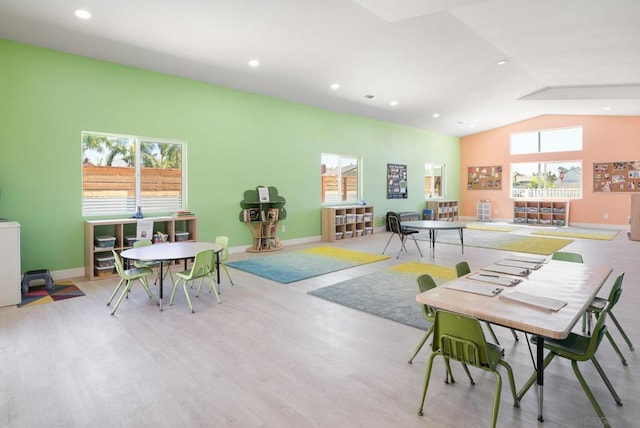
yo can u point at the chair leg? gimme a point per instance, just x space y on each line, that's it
145 284
615 348
421 344
624 335
115 291
515 335
604 377
532 379
493 334
427 376
173 290
587 391
388 242
496 399
186 293
512 382
417 246
466 369
227 272
125 291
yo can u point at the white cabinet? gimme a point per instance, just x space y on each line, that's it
484 211
10 263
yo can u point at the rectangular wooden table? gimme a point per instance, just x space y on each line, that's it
574 283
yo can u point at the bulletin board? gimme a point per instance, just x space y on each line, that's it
396 181
484 177
623 176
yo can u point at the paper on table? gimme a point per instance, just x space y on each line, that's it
509 270
538 301
527 259
471 287
495 279
517 263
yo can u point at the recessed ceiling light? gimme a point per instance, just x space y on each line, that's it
436 115
606 108
393 103
335 86
254 63
502 62
471 125
83 14
369 96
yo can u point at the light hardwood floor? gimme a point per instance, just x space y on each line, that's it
272 356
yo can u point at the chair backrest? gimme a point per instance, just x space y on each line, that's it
202 265
462 269
394 222
616 291
565 256
224 241
118 262
425 283
598 334
459 337
142 243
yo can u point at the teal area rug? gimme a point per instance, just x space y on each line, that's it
390 293
500 241
295 266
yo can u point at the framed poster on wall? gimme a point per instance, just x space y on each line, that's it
622 176
484 177
396 181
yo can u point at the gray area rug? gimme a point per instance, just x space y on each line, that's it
388 294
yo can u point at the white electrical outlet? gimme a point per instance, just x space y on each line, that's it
283 228
606 216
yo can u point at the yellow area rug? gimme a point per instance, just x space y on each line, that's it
584 233
298 265
389 293
492 227
501 241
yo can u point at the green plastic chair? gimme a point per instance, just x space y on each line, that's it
128 277
460 338
463 269
596 308
203 267
565 256
579 348
151 263
425 283
224 254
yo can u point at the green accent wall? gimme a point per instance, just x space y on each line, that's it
235 141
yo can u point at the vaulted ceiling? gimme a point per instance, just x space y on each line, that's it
478 64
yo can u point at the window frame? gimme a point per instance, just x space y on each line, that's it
545 192
538 137
339 166
429 193
138 174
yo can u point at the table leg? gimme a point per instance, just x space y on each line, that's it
432 233
218 269
462 241
540 370
161 281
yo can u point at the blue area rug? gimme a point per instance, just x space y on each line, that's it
295 266
390 293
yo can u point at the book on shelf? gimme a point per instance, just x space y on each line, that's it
252 214
272 214
263 194
182 213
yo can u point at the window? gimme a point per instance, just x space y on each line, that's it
433 180
122 172
559 179
553 140
340 175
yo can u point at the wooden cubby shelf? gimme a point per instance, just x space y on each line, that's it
96 263
541 213
445 210
346 222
